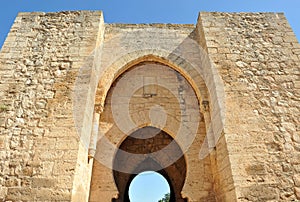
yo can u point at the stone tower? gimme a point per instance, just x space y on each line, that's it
214 107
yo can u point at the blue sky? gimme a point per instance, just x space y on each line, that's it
148 187
142 11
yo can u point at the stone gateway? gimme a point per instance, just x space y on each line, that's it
85 106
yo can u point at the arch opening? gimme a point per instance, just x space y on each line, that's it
174 174
178 99
148 186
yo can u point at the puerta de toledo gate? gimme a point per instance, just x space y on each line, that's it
86 106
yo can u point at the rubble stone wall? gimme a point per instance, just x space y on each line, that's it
57 71
39 143
257 56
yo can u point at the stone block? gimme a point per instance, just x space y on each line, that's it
296 179
43 182
297 193
260 193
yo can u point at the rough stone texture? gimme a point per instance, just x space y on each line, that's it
39 143
57 72
257 56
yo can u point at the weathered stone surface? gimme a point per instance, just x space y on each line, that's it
260 193
296 179
297 192
59 69
43 182
258 71
35 87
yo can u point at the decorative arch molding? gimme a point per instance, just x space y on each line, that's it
187 70
198 71
181 130
127 61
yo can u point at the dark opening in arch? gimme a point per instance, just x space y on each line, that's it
134 156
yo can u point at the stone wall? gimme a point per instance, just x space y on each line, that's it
242 67
39 144
257 55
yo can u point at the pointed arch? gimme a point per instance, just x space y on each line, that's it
176 62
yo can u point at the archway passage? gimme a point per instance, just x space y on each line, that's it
147 141
148 186
169 104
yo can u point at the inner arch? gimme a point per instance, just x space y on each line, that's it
148 186
175 173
